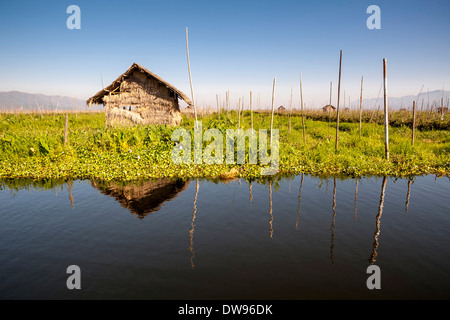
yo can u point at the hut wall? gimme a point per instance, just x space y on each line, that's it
153 102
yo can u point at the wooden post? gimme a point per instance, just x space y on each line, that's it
339 96
218 107
303 112
228 103
239 113
290 110
66 128
190 78
329 110
273 107
360 107
386 111
413 123
251 108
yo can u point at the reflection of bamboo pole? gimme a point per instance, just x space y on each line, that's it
356 200
408 194
191 232
377 230
69 183
333 223
299 202
250 191
270 211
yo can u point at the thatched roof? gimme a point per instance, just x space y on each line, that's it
97 98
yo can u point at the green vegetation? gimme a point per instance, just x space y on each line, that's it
32 146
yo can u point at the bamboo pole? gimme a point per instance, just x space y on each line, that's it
337 110
290 109
273 108
386 111
360 107
239 113
228 103
218 107
190 78
251 108
413 122
330 109
66 129
303 112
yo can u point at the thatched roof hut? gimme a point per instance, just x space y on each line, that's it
328 108
138 96
281 109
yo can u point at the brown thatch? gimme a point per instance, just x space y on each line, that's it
328 108
138 96
281 108
142 198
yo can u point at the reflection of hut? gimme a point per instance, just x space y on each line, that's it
142 198
328 108
140 97
281 109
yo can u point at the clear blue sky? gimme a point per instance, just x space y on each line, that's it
236 45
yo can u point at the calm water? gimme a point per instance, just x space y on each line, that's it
298 238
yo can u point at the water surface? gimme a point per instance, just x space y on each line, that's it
300 237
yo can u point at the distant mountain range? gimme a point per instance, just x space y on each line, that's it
30 101
406 102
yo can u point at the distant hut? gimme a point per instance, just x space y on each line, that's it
442 110
328 108
140 97
281 109
346 110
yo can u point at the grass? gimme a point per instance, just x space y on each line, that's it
32 146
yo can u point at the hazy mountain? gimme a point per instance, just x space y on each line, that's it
434 98
29 101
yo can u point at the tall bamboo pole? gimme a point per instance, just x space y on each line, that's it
290 109
218 107
339 96
303 112
413 123
251 108
228 103
190 78
386 111
330 109
360 107
273 108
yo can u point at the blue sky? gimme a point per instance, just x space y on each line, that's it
235 45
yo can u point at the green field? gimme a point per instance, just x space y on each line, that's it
32 146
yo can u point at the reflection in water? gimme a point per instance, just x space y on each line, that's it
250 191
410 180
299 202
377 230
191 232
356 200
142 198
333 222
270 210
69 184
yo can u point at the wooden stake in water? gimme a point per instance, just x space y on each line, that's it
413 122
303 112
190 78
339 96
360 107
386 111
66 129
273 108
